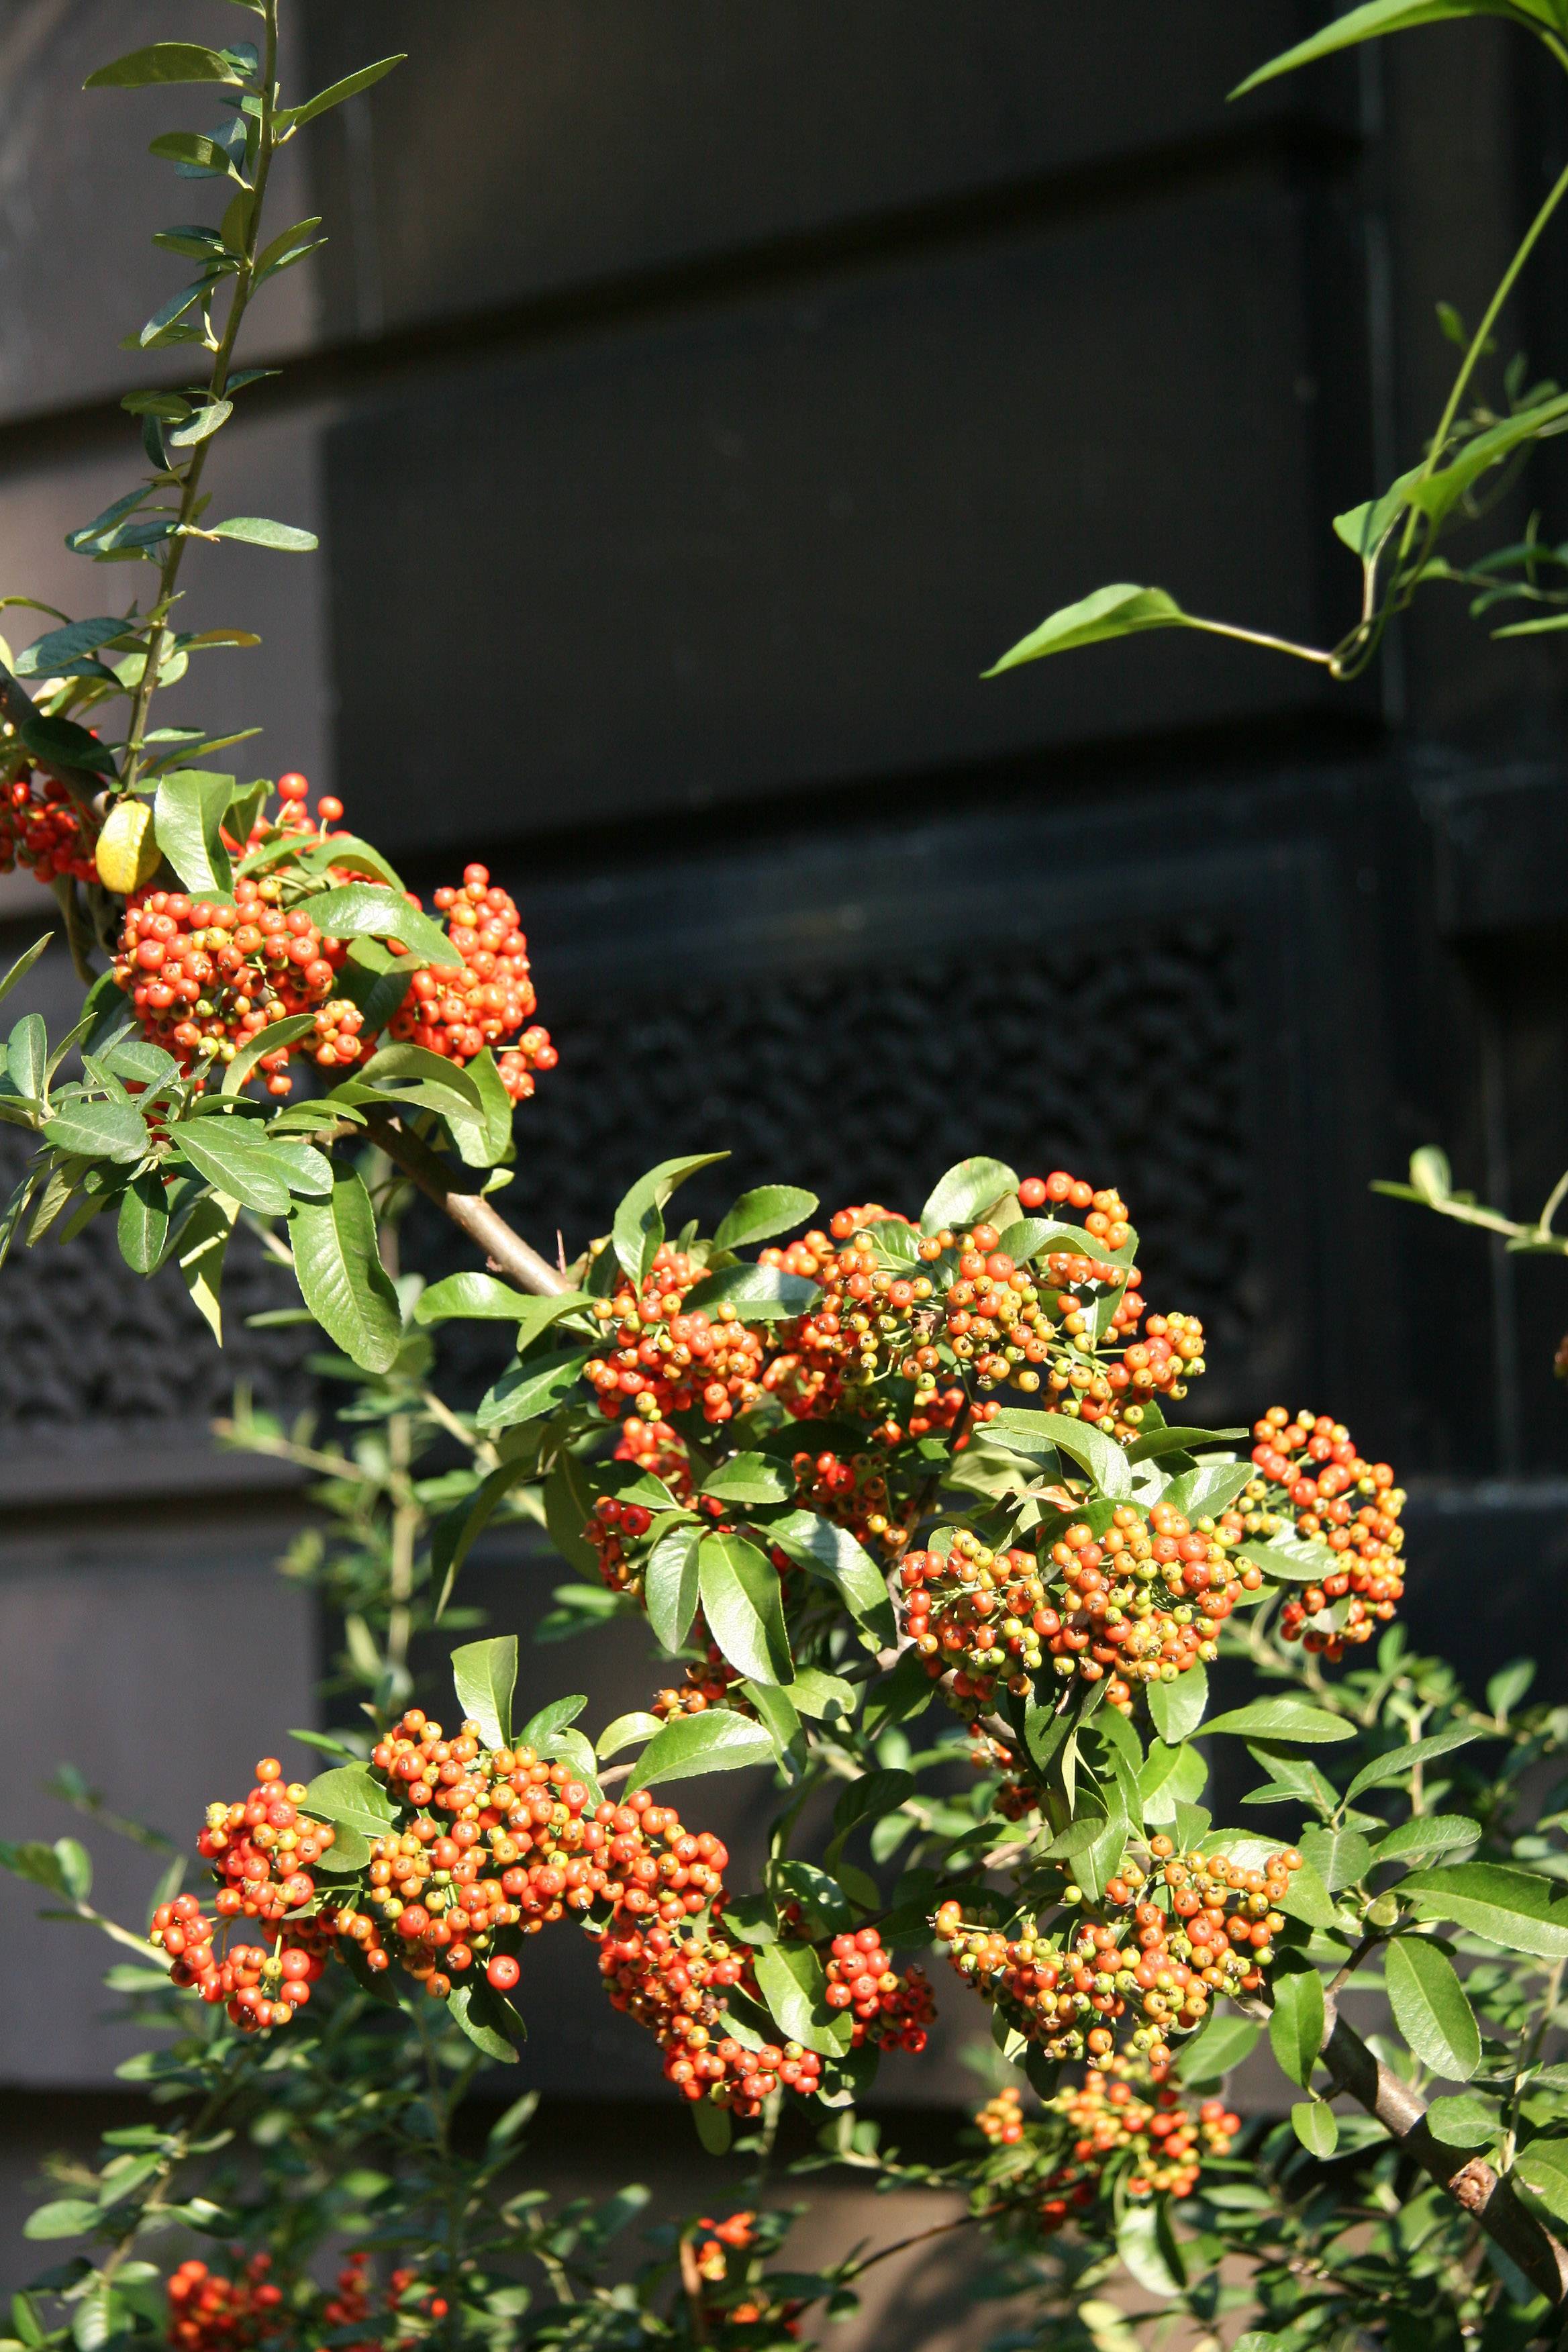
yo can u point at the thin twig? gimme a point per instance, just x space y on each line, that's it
440 1182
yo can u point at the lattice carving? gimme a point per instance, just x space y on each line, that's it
86 1344
1125 1060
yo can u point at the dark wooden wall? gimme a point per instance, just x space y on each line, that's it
696 398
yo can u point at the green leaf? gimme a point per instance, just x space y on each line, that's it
206 157
1208 1490
1222 2043
744 1606
276 1034
541 1730
415 1074
749 1478
27 1056
65 2217
480 1297
1368 24
255 530
832 1553
1308 1899
532 1386
48 656
1176 1709
1463 2121
471 2013
759 1294
716 1741
1170 1440
639 1221
352 1798
626 1731
164 61
362 910
23 964
1430 2007
1149 2252
965 1192
1118 611
712 2125
1296 2025
759 1215
340 1276
1505 1689
1291 1560
233 1163
484 1675
1510 1907
456 1531
187 815
778 1710
1094 1453
791 1980
294 118
59 742
1428 1833
1340 1856
99 1131
1290 1719
1316 2126
143 1228
199 1254
1400 1760
670 1585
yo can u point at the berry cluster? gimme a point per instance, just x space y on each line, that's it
206 979
42 827
1120 2126
209 2313
892 2011
736 2235
1313 1483
663 1360
678 1986
263 1848
1169 1940
487 996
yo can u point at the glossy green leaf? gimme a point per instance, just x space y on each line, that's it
165 62
627 1731
749 1478
1316 2126
535 1386
1512 1908
350 1796
48 656
27 1056
1543 2166
1400 1760
23 964
1288 1720
1152 1442
143 1225
361 911
764 1212
759 1294
63 2217
832 1553
293 118
413 1070
1208 1490
1290 1559
640 1220
1119 611
1430 2007
484 1676
791 1980
1176 1709
1428 1833
481 1297
1368 24
715 1741
234 1162
99 1131
742 1601
340 1276
199 1254
473 2009
1308 1899
256 530
1465 2120
270 1039
1148 2252
670 1584
1340 1856
1296 2025
965 1192
187 817
1224 2042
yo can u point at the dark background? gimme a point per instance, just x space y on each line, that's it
693 399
